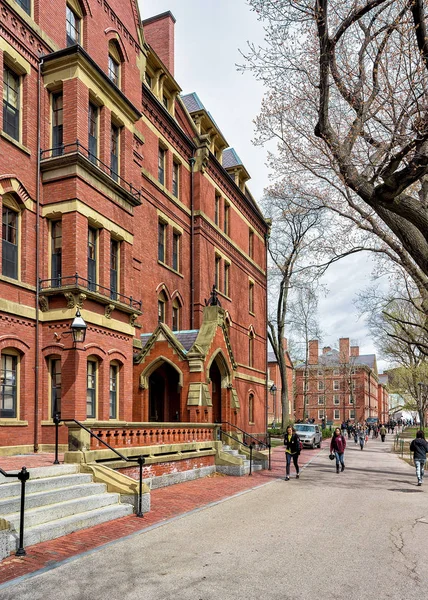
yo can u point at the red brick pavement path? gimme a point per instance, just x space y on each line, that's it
166 503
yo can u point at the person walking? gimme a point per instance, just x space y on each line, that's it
419 447
292 451
362 438
382 433
338 445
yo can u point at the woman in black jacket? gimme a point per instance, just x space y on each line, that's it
419 447
292 451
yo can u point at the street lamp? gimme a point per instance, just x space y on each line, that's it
273 390
77 330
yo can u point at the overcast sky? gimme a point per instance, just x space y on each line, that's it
208 36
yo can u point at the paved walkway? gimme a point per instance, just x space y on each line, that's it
166 503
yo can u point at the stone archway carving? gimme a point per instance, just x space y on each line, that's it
151 368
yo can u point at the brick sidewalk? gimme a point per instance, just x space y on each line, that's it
166 503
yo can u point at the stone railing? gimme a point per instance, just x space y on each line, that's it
134 435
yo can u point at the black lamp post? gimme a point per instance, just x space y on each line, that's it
273 390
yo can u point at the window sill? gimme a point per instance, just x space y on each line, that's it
10 139
253 314
162 264
13 423
223 295
17 282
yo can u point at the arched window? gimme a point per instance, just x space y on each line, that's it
251 348
114 63
162 301
91 387
73 23
114 390
176 314
54 366
251 408
10 237
9 384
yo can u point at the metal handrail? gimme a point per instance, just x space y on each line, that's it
77 146
139 459
250 446
23 476
256 440
78 281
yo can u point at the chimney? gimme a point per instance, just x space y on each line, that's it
355 351
344 350
313 352
159 33
284 345
326 349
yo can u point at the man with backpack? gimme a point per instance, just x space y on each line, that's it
419 447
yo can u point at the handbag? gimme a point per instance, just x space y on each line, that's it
331 456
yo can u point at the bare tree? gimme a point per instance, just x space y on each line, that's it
295 236
348 107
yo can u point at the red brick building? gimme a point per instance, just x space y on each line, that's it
120 198
274 384
338 385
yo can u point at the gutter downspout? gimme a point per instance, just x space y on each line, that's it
37 357
267 338
192 246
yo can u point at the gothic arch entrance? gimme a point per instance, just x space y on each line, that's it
164 394
215 377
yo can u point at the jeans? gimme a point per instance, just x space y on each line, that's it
288 458
420 464
339 458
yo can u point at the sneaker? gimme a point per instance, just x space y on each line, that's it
287 478
297 476
419 482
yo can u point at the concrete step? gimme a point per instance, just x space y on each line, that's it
61 510
11 489
66 525
38 472
50 496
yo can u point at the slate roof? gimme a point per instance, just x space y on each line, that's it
192 102
231 159
186 338
331 359
271 357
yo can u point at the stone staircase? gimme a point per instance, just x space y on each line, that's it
241 469
58 501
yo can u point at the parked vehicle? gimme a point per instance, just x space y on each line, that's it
309 434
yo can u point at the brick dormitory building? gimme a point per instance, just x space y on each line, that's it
121 198
339 385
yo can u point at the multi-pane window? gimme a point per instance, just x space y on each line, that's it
176 251
9 243
352 414
114 268
161 165
175 178
56 253
251 297
320 399
114 380
251 244
351 399
91 389
72 22
226 286
176 316
320 414
93 132
165 101
148 79
162 241
226 218
8 386
92 258
251 408
113 70
321 385
57 125
114 152
55 373
217 272
11 103
217 210
336 399
336 372
336 414
162 300
336 384
25 5
251 349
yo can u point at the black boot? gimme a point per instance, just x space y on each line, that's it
343 467
337 469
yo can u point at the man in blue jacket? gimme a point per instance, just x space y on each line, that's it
419 447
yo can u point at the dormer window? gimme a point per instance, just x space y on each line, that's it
114 63
73 26
149 80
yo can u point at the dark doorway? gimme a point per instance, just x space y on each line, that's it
164 395
215 377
